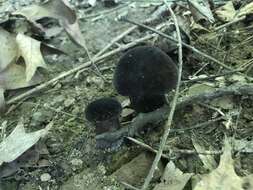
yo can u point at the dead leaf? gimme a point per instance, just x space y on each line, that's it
135 171
201 10
13 77
57 9
199 88
226 12
30 50
243 145
92 2
208 160
247 9
224 176
8 50
173 178
28 159
19 141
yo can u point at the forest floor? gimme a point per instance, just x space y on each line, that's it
67 157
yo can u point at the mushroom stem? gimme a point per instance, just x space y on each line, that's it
147 103
108 125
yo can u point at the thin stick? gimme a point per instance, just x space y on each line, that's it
213 76
174 40
91 60
206 152
74 70
116 40
128 186
229 23
173 106
147 147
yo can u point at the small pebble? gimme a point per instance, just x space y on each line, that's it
68 102
76 162
45 177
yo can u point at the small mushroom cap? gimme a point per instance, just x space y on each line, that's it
103 109
145 70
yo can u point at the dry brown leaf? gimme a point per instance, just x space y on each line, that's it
173 178
208 160
223 177
19 141
13 77
227 12
247 9
57 9
30 50
8 50
201 10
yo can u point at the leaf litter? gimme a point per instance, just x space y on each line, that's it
72 137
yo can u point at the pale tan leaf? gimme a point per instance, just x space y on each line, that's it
173 178
208 160
19 141
201 10
224 176
8 50
14 77
30 50
57 9
247 9
226 12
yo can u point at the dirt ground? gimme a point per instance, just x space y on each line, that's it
71 161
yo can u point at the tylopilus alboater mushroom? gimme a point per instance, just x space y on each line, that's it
145 74
104 114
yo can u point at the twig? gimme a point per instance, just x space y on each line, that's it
147 147
74 70
122 35
91 60
213 76
128 186
174 40
229 23
161 114
157 14
173 105
105 11
237 89
206 152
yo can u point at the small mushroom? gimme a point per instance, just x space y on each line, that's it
145 74
104 114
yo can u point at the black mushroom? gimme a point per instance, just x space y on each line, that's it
104 114
145 74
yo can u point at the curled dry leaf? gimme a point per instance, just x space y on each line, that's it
8 50
19 141
227 12
57 9
224 176
173 178
14 77
201 10
208 160
30 50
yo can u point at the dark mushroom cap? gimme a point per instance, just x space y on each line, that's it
145 70
103 109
